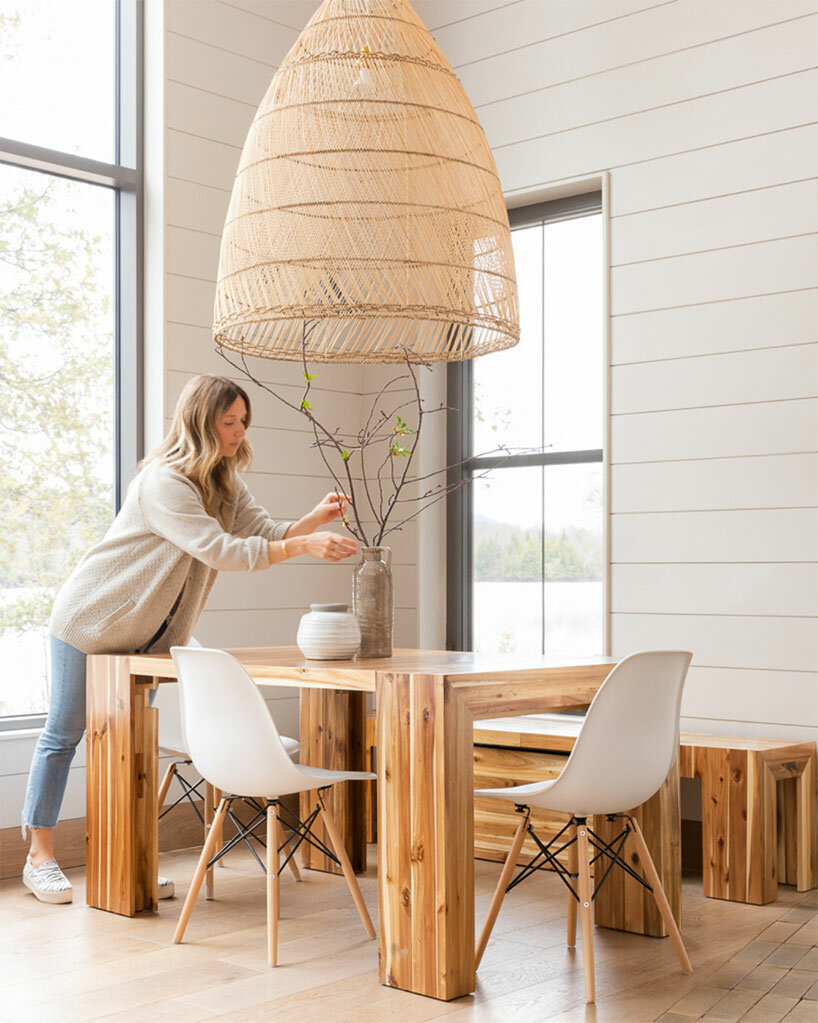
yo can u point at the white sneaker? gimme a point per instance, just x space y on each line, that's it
167 888
47 882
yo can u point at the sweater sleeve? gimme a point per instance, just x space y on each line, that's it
172 507
253 520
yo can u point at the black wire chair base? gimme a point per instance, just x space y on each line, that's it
190 792
547 855
299 831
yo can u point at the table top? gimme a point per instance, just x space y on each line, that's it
286 665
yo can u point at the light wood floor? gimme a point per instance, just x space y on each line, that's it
66 964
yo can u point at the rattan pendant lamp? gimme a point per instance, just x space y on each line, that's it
366 204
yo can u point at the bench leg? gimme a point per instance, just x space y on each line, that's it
739 856
807 828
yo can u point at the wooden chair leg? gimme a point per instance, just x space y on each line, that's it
199 874
586 916
217 797
659 894
294 868
500 890
573 859
346 866
163 788
273 882
208 824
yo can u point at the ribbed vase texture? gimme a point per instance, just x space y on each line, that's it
329 632
372 601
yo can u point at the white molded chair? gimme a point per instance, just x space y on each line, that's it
622 755
240 752
172 742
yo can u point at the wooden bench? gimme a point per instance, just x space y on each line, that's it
758 801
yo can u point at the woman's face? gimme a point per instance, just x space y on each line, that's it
231 427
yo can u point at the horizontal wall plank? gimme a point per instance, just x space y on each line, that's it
242 628
293 14
716 589
660 82
765 321
200 160
784 265
769 374
776 481
200 66
230 28
192 254
190 349
780 644
711 120
202 113
735 166
533 32
197 207
338 408
439 13
749 163
301 582
785 534
767 428
781 697
739 219
189 300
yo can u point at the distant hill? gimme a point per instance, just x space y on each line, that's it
504 552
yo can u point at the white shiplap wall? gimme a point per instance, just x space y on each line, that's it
702 116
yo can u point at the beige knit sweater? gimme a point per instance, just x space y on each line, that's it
162 543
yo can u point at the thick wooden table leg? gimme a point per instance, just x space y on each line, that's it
333 727
425 836
121 788
622 903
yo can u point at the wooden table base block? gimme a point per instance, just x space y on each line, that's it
121 789
622 903
333 730
749 842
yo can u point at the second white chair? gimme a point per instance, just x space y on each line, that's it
622 756
240 752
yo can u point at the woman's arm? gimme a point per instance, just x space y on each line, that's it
172 507
327 546
331 507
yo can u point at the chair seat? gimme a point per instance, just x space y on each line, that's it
524 794
319 777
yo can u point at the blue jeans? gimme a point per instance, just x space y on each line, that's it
58 741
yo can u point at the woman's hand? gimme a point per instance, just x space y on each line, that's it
333 506
327 546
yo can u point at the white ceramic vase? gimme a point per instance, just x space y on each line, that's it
329 632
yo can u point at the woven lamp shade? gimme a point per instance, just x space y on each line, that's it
366 204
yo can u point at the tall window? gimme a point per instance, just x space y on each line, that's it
526 537
69 308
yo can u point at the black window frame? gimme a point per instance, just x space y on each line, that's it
459 442
124 177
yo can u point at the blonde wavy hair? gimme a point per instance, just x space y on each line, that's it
192 446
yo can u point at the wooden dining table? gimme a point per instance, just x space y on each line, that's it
426 700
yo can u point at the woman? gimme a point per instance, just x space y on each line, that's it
186 517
